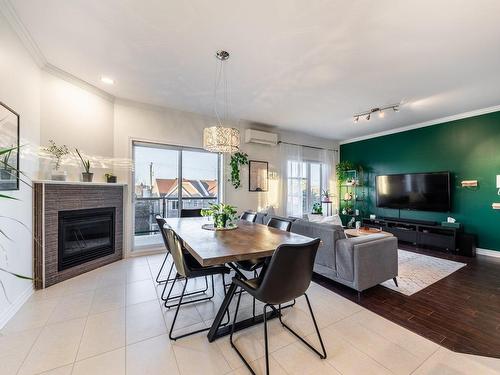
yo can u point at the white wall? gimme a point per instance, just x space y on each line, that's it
134 121
73 115
20 90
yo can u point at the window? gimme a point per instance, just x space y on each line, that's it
304 186
160 173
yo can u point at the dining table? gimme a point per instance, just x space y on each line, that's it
247 241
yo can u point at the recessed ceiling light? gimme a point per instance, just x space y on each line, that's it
107 80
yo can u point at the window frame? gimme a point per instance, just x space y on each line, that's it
308 196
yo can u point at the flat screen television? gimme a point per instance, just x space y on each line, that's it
415 191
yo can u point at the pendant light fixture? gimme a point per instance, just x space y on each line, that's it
219 138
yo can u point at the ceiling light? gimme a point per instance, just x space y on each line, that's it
107 80
220 138
380 110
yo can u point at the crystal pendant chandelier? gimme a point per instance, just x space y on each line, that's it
220 138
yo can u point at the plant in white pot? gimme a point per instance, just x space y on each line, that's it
57 153
87 176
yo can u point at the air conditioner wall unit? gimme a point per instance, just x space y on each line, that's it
258 136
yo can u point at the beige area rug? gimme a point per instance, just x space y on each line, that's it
418 271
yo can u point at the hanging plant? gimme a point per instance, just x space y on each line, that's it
237 160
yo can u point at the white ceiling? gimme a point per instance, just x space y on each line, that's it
299 65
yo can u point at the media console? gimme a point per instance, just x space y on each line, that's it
420 233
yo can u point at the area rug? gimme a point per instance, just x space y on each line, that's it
417 271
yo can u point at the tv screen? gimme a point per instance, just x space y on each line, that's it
414 191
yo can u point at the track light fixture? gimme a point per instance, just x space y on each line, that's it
380 110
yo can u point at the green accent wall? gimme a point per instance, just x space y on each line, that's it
468 148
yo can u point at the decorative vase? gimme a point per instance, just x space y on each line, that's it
57 175
87 177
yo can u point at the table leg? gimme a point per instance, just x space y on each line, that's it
212 333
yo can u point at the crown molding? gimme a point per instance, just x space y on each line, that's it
68 77
22 32
437 121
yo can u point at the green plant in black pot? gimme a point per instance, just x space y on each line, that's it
317 209
222 214
237 160
110 178
87 176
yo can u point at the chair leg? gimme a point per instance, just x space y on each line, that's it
321 355
201 291
158 280
253 302
266 340
190 294
395 281
227 310
231 336
179 304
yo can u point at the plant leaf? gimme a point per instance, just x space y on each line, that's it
5 292
8 197
5 235
16 274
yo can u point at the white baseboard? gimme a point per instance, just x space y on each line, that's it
489 253
15 306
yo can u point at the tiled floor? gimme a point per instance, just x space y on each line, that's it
110 321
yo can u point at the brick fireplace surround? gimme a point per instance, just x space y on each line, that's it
50 198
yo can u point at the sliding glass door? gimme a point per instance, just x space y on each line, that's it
166 179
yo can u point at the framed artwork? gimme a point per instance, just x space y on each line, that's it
258 175
9 138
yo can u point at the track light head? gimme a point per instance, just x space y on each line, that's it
395 108
356 118
368 117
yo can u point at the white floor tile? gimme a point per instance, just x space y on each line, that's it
140 291
32 315
109 298
144 320
103 332
151 357
72 306
56 346
104 364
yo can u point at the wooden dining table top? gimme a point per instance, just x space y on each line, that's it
248 241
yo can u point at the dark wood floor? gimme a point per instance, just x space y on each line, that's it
460 312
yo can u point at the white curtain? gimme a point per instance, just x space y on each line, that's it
328 160
292 168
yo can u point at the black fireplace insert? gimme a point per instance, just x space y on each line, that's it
85 235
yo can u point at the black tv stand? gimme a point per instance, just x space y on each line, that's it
410 221
418 232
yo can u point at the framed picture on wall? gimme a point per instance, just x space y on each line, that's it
9 140
258 175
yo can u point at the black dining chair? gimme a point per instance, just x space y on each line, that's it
190 212
161 223
285 276
248 216
279 223
252 265
188 268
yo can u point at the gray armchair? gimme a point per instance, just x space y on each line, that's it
363 262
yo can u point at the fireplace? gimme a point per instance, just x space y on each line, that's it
85 235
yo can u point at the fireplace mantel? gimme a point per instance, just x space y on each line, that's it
54 197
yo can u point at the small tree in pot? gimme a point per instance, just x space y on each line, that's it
57 153
87 176
223 214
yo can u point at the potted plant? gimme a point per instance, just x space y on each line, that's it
237 159
110 178
222 214
317 209
57 153
87 176
326 195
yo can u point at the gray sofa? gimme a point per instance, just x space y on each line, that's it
360 262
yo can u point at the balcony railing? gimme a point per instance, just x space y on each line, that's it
147 208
